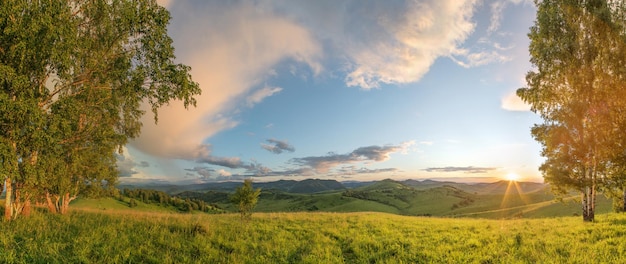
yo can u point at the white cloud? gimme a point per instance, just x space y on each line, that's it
408 42
512 102
383 42
231 48
127 164
224 173
497 10
258 95
479 58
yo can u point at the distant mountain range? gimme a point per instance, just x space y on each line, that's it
310 186
500 199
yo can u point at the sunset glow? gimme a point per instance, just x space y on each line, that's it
512 176
346 90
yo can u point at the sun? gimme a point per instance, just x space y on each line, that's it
512 176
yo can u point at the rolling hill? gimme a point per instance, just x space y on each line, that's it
501 199
291 186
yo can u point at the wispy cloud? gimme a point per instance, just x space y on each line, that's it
258 95
469 59
252 168
469 169
497 9
277 146
353 170
204 172
228 162
322 164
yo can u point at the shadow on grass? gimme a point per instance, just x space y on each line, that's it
620 221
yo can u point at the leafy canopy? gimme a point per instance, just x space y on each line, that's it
75 78
245 198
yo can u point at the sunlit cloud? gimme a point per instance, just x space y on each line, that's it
228 62
323 164
385 43
469 169
234 48
512 102
223 173
401 46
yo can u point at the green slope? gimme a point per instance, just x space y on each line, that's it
111 204
493 200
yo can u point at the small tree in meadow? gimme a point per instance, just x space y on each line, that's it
245 198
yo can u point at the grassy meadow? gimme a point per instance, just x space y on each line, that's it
99 235
442 201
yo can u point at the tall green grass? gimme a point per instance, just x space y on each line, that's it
107 236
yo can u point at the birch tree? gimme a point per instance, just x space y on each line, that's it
245 198
577 86
73 77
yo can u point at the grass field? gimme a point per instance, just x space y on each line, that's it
393 197
96 235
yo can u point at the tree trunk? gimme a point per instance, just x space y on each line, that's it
588 203
21 200
589 195
65 202
591 216
8 205
26 209
624 200
51 206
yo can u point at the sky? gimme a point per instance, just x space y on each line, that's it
353 90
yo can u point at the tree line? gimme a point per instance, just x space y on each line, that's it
578 87
163 199
75 79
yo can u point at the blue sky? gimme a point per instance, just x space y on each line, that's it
346 90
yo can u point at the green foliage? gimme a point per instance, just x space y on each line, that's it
578 87
163 199
73 78
115 237
245 198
